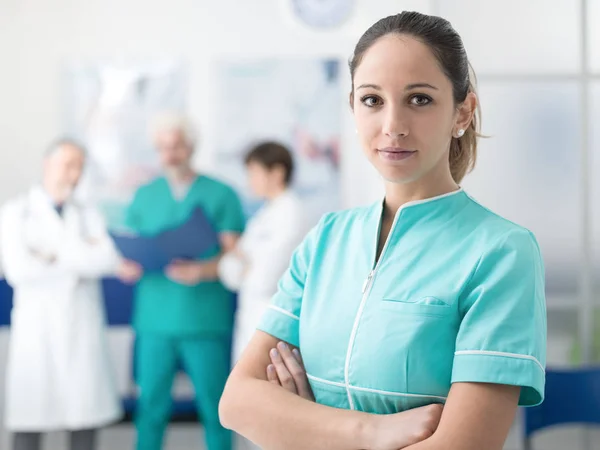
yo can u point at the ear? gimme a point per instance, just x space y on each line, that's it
279 171
465 113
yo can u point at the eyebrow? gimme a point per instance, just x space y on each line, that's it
409 87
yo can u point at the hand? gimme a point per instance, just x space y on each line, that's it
396 431
129 272
46 258
243 259
238 253
185 272
287 370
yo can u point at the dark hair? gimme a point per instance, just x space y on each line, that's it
447 46
64 140
270 154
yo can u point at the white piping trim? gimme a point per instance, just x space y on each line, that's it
432 199
504 354
394 394
321 380
426 200
283 311
373 391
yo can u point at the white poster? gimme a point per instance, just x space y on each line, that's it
294 101
110 109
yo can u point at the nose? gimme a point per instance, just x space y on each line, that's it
394 124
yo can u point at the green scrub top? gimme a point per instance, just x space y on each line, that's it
456 296
164 306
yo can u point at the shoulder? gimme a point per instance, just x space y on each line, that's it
288 207
497 236
216 185
346 217
212 192
150 187
88 211
339 227
15 205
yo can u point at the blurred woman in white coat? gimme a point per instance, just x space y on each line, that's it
54 250
264 250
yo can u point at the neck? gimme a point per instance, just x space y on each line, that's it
276 192
56 194
180 175
431 185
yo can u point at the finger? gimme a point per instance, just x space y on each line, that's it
296 369
285 377
272 375
298 357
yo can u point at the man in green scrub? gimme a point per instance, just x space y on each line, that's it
183 315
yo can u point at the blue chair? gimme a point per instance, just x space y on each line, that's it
572 397
5 303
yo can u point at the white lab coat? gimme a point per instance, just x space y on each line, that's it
267 244
59 374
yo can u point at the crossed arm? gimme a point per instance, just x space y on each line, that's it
273 408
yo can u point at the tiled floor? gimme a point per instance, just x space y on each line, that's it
189 437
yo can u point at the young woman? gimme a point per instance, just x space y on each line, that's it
423 299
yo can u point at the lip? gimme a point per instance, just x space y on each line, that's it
395 153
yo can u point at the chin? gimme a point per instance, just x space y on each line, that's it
397 176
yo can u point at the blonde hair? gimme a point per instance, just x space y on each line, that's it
174 121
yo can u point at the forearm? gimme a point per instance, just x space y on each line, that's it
89 259
433 443
276 419
209 269
476 416
27 270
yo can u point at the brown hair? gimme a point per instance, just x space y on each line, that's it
270 154
447 46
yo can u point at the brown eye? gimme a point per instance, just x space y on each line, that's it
371 101
420 100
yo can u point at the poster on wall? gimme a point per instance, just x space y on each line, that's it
110 108
297 102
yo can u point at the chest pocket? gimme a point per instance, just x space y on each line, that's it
418 305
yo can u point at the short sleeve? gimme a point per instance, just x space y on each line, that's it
282 317
230 215
502 336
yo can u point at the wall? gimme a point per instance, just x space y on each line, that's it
38 37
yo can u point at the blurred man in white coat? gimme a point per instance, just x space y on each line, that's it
54 250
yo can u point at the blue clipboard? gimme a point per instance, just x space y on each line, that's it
193 239
143 250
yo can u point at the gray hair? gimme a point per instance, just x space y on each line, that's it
174 121
62 141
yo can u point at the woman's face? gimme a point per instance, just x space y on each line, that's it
263 181
404 110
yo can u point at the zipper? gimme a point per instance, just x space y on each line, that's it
365 294
367 281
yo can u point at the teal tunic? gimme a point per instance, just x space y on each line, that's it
456 296
164 306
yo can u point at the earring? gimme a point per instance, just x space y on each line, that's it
460 133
